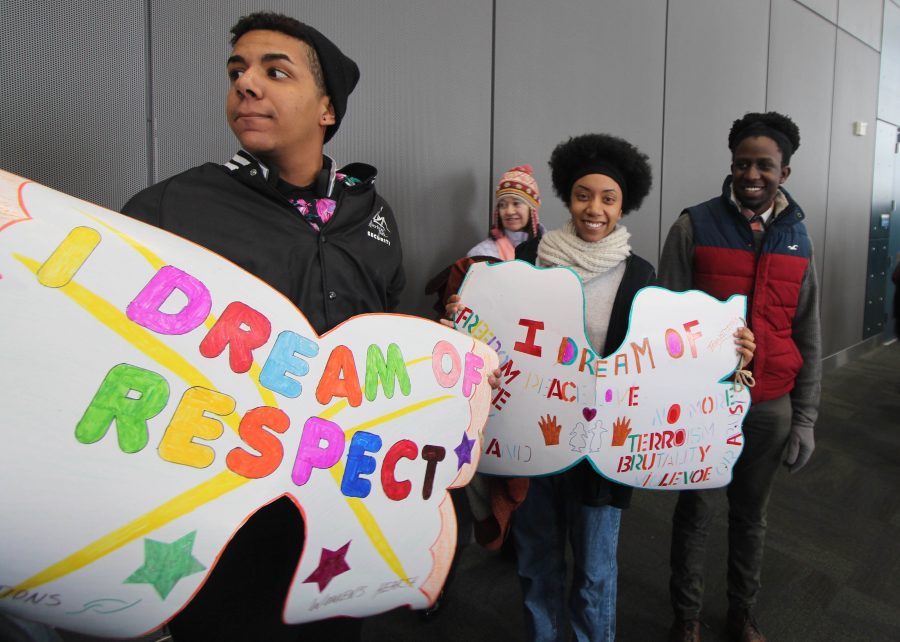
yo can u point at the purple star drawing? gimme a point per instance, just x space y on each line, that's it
464 451
331 564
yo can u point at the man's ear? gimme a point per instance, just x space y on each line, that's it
327 117
785 172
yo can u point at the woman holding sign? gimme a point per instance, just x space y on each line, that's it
600 178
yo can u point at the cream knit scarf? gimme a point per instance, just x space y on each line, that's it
563 247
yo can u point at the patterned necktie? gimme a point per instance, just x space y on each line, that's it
756 221
756 225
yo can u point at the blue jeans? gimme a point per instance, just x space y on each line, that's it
552 513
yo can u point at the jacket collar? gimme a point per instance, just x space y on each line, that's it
246 165
786 208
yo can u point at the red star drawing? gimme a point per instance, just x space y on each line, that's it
331 564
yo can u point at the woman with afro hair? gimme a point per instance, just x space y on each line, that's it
600 178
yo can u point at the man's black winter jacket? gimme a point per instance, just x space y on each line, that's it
352 266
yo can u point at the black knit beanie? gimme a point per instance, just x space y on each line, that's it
341 74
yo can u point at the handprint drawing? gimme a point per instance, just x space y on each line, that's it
550 430
677 354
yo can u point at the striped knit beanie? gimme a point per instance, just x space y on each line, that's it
519 183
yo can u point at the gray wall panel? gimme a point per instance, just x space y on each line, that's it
550 87
73 99
862 18
889 86
825 8
801 84
849 194
421 112
189 45
668 75
712 78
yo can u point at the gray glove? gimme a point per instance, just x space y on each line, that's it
800 447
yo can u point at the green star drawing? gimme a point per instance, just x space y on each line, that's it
165 564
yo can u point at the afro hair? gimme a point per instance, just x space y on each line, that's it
759 124
589 149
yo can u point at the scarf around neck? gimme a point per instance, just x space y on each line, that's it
588 259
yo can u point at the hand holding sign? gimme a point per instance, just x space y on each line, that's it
657 413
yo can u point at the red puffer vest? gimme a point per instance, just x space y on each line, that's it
725 264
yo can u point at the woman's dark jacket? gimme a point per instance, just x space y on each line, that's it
596 489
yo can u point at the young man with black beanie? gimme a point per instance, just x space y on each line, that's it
750 240
323 237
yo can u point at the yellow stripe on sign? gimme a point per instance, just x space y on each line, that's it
365 518
225 482
268 397
396 414
111 317
336 407
155 261
179 506
68 257
208 491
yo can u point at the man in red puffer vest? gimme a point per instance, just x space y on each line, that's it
751 240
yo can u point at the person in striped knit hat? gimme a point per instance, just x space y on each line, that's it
515 216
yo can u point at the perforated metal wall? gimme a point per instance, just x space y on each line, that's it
189 45
72 109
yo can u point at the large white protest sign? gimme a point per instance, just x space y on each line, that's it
153 396
656 413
